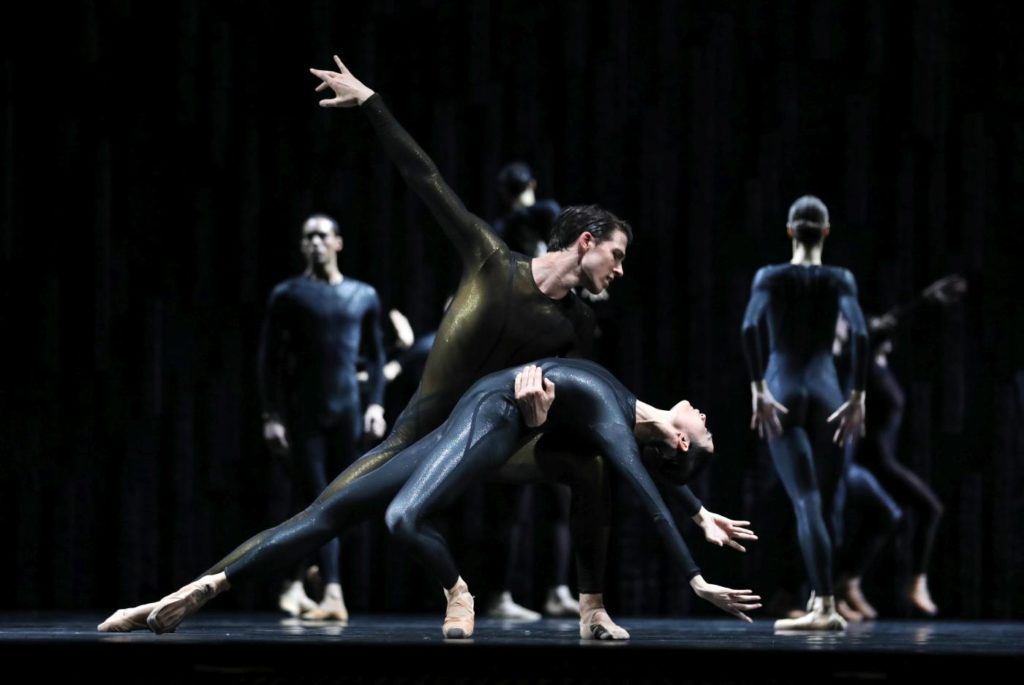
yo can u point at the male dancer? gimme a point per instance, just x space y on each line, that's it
508 309
316 324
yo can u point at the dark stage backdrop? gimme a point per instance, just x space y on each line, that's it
158 160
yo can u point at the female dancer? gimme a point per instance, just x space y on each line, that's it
490 422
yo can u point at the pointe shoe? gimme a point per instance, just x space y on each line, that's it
848 589
823 616
459 616
127 620
319 613
170 611
503 607
560 602
295 601
596 624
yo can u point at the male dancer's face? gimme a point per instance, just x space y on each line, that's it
320 244
602 261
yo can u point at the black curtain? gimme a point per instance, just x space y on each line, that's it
157 162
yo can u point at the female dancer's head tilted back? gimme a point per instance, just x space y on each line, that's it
684 448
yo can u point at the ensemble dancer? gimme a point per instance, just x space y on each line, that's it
798 395
527 221
315 326
877 484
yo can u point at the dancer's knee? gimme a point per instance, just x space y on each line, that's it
401 522
807 505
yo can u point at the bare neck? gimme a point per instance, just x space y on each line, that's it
556 273
806 256
647 416
328 273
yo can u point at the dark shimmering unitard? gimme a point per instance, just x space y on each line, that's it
498 318
309 347
308 350
801 305
591 408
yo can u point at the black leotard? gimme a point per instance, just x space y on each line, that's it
498 317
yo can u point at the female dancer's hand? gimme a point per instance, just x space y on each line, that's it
765 409
348 90
731 601
534 395
851 418
719 530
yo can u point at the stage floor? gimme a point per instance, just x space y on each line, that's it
266 648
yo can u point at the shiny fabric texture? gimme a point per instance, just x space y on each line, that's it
592 409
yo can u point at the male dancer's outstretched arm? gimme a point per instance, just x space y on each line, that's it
470 234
